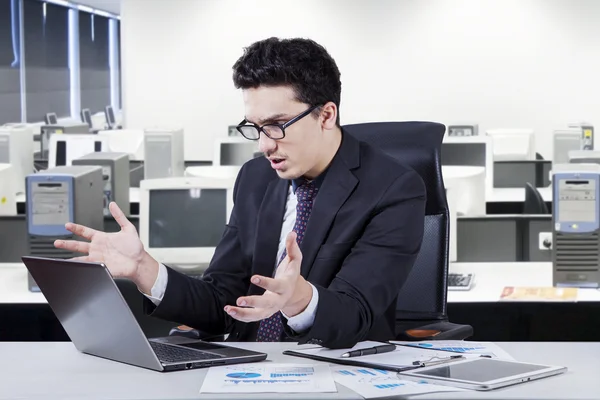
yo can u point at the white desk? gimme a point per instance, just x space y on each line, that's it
516 195
57 370
491 278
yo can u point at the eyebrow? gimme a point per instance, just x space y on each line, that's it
272 118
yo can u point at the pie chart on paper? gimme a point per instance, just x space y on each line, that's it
243 375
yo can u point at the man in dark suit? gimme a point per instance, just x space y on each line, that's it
324 230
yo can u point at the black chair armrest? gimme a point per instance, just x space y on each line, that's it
441 330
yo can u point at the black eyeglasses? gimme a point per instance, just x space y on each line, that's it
274 131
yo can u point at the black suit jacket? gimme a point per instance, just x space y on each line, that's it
361 241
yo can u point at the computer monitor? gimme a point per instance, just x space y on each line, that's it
51 119
64 149
471 151
565 140
234 151
16 149
109 113
209 171
8 202
130 141
182 219
463 130
513 144
86 116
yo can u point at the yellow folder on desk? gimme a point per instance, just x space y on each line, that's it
513 293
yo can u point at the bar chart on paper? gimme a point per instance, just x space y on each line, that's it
459 346
269 378
373 383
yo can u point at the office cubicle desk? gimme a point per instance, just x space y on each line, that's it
59 371
27 316
497 320
502 238
510 200
515 173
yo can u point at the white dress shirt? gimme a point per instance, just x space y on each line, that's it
298 323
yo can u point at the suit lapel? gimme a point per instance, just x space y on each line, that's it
338 185
270 220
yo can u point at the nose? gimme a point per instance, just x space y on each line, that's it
266 144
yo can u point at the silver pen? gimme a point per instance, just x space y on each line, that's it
437 362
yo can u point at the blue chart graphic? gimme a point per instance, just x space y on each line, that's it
455 349
286 375
243 375
365 372
266 381
344 372
388 385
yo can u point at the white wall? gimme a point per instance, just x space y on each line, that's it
500 63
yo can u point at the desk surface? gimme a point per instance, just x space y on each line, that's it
516 195
490 279
57 370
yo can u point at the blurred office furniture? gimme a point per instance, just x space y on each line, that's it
504 238
564 141
534 203
463 130
584 157
421 307
474 151
8 202
163 153
514 174
512 144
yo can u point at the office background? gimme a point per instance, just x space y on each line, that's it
501 64
57 59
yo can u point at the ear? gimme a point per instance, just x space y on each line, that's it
328 115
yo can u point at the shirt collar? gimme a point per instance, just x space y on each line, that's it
318 181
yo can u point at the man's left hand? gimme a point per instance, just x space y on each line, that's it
287 291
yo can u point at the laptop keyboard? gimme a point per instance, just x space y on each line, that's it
170 354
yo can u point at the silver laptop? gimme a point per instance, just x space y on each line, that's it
91 309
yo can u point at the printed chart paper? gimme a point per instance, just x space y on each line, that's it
372 383
269 378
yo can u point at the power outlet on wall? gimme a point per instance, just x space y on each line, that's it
545 241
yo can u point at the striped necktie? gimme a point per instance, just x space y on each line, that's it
271 329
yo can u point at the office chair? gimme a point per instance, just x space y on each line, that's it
534 202
538 156
421 307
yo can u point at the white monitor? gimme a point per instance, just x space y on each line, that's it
182 219
513 144
64 148
234 151
565 140
471 151
51 119
16 149
130 141
8 202
109 114
86 116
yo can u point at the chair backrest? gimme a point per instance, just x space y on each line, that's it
418 145
534 202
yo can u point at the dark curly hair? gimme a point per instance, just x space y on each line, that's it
302 64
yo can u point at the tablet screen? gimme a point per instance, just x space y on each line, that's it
481 370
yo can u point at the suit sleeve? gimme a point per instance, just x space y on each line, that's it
199 303
376 268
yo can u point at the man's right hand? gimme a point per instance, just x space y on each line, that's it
122 252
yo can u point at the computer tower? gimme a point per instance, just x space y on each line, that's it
8 202
565 140
163 153
115 174
57 196
16 149
576 225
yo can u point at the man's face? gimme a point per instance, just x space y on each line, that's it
299 151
